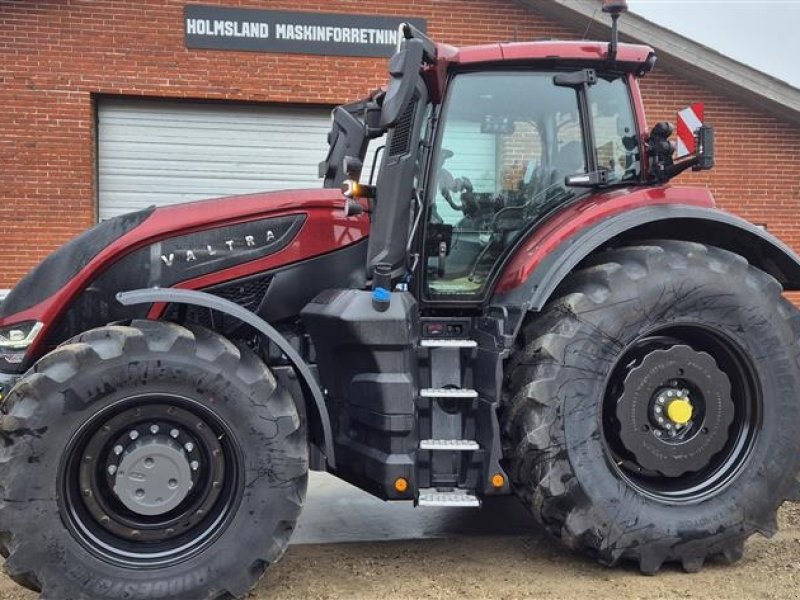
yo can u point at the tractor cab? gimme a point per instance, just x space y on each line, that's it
482 144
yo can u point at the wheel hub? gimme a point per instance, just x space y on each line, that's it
154 475
680 410
674 411
151 473
671 411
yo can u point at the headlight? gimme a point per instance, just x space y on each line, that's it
15 339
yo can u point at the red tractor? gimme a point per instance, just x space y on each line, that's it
519 302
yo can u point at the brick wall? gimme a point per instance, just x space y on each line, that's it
56 57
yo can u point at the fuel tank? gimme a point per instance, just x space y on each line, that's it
238 247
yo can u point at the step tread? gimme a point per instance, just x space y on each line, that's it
448 393
447 343
454 445
453 498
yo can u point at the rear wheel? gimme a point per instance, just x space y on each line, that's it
148 461
651 411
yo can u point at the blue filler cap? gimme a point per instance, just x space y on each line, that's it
381 295
381 298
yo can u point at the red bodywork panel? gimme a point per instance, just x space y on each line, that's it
545 50
630 58
325 229
595 208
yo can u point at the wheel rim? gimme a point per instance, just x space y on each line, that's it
151 480
681 412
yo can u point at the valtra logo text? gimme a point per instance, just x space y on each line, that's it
210 250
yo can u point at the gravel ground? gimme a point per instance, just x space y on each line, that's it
508 567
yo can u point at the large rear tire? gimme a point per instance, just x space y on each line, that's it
148 461
651 410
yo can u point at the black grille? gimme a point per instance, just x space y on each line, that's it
401 136
248 293
245 292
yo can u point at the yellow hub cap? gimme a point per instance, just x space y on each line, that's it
680 411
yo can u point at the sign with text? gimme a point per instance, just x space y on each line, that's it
222 28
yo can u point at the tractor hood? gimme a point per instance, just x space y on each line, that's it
192 245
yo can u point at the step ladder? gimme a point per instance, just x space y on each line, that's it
448 454
453 498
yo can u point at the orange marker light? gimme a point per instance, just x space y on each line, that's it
498 481
401 485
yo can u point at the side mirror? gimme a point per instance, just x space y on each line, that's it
705 149
661 150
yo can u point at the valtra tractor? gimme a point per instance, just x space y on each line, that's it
519 302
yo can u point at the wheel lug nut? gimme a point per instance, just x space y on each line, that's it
112 469
133 434
154 429
118 449
658 409
174 433
189 446
194 465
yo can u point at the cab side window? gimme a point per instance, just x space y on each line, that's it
615 132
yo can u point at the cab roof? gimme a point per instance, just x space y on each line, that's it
634 56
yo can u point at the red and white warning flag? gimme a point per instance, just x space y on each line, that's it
689 121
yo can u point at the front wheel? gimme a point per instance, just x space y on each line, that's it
651 411
148 461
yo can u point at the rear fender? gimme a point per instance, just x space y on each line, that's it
314 399
670 221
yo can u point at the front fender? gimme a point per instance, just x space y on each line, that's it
205 300
668 221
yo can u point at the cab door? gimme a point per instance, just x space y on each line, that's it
506 142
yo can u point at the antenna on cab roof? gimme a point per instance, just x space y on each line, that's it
615 8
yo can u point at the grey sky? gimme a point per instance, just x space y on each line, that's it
764 34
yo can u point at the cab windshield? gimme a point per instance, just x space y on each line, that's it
509 140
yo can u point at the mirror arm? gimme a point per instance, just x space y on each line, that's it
665 172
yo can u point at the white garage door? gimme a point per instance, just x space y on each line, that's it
159 152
